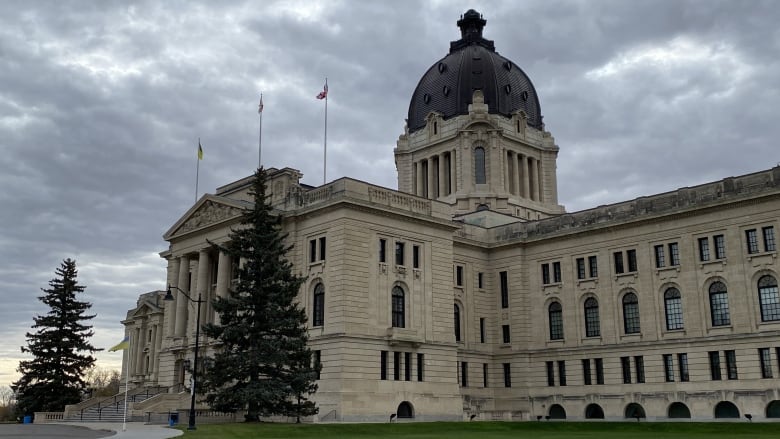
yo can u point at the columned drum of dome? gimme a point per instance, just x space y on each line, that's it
473 64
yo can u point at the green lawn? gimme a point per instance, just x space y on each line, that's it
490 430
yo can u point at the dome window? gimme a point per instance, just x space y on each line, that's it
508 66
524 95
442 67
427 98
446 91
508 89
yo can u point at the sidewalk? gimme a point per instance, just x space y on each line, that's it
135 430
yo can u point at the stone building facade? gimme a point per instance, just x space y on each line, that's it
469 292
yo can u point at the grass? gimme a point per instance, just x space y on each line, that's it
490 430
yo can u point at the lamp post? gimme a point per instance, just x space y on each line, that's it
169 297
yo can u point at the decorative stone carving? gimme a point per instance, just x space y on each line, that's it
209 213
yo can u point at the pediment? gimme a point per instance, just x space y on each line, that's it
208 211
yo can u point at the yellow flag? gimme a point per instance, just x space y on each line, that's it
122 345
200 151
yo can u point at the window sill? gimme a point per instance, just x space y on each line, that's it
631 337
762 255
633 274
659 270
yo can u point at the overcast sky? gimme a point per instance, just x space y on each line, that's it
102 104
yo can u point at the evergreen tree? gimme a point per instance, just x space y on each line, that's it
60 347
263 363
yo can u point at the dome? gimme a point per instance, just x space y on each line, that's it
473 64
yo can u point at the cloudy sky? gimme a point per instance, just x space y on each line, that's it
102 104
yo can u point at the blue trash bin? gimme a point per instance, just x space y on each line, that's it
28 419
173 419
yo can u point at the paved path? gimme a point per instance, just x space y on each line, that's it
135 430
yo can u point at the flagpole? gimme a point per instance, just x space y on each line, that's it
127 384
197 171
325 149
260 135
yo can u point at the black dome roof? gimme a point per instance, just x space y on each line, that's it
473 64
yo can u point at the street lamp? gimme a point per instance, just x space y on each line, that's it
169 297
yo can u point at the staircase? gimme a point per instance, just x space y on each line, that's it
111 408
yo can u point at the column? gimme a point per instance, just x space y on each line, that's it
448 173
203 285
223 277
538 180
442 173
170 307
419 176
138 352
181 301
431 179
526 180
516 175
414 178
157 347
455 170
153 351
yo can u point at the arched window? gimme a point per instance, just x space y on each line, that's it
479 165
318 314
769 299
555 313
594 411
630 313
398 308
592 326
678 410
457 322
726 409
673 307
719 304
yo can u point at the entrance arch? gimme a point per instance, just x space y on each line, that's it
594 411
773 409
557 412
634 411
678 410
405 410
726 409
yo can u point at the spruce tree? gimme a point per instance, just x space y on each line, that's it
262 363
60 348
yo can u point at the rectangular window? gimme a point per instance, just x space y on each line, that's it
396 366
383 365
594 266
769 238
766 362
731 364
420 366
715 365
550 374
312 250
318 363
399 253
682 364
659 256
464 374
484 375
504 284
545 274
619 263
556 272
625 365
631 256
704 249
480 280
639 364
580 268
382 250
505 333
599 371
777 354
481 329
674 254
751 237
459 275
415 256
507 375
586 377
668 367
720 246
322 248
408 366
562 372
